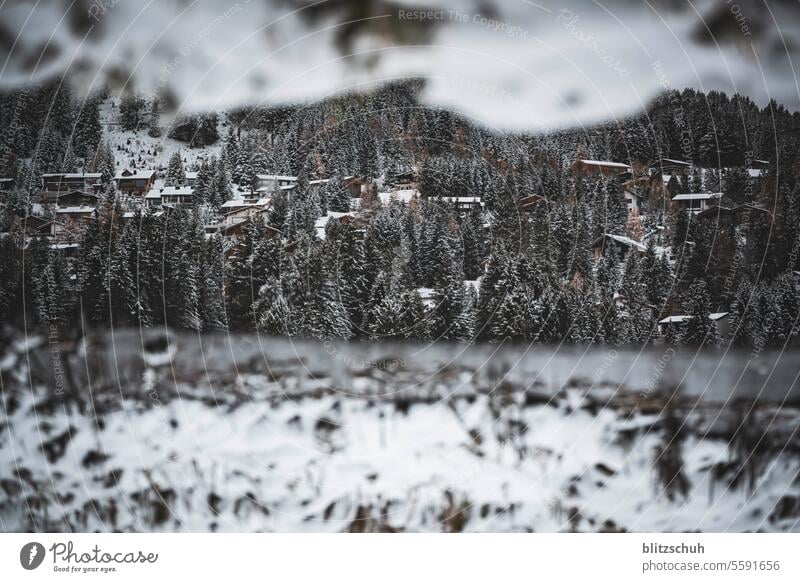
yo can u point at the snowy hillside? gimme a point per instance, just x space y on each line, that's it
137 150
288 449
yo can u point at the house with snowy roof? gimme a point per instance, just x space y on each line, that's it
67 182
170 196
135 183
633 200
602 167
696 202
720 319
670 166
404 196
731 216
6 184
530 201
269 183
77 198
242 210
623 245
464 203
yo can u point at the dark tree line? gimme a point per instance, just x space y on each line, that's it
426 270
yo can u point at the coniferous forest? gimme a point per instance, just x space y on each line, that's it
404 222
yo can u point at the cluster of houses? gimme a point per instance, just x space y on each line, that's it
72 200
704 206
68 201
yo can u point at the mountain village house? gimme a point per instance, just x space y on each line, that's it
137 183
604 168
696 202
70 181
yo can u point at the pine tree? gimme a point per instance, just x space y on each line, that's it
130 109
176 175
88 131
699 329
154 125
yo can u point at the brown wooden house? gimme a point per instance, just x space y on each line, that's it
137 183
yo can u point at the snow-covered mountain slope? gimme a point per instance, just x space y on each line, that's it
138 150
278 451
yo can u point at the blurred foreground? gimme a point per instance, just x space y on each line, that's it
160 432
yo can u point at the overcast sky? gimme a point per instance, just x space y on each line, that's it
517 65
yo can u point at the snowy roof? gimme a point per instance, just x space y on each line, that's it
684 318
463 199
627 241
322 222
400 195
321 181
191 175
138 175
246 202
604 163
699 196
755 173
76 210
59 246
276 177
427 295
177 191
679 162
73 175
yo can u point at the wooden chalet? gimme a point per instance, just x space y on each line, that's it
633 200
85 182
530 201
623 245
270 183
604 168
137 183
77 198
696 202
6 184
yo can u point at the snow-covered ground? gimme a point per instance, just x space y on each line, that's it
137 150
286 449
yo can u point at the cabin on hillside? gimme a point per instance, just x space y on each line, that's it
357 186
696 202
632 200
67 182
32 226
529 202
404 180
6 184
670 166
622 245
270 183
464 203
71 219
170 196
603 168
244 211
137 183
735 216
78 198
720 319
